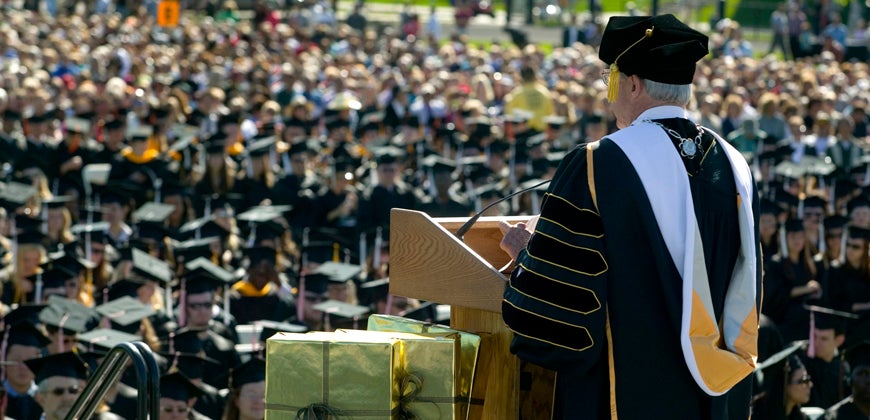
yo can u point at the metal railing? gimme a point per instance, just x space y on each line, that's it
108 374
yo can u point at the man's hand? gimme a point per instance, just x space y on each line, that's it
515 239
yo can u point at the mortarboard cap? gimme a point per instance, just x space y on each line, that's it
252 371
439 164
794 225
149 267
190 364
769 207
388 155
175 386
260 253
125 310
57 202
815 201
518 116
204 276
373 291
856 232
140 133
122 288
68 365
30 236
68 315
859 355
341 309
102 340
26 334
337 272
425 312
14 195
114 124
857 202
658 48
261 147
77 125
192 249
261 214
28 312
270 328
153 212
835 222
830 319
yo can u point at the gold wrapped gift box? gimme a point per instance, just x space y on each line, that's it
362 374
470 345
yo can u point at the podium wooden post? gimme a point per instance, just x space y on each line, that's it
428 262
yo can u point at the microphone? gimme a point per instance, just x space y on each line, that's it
465 227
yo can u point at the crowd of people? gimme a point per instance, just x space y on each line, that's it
179 185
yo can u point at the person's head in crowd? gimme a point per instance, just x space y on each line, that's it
596 126
835 227
113 134
60 379
858 357
733 106
822 125
211 100
247 398
829 333
768 221
24 342
115 207
814 213
177 396
389 167
58 220
857 247
844 128
261 268
797 385
796 128
859 212
768 105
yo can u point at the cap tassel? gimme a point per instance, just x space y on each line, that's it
811 347
613 77
182 303
300 302
3 348
60 332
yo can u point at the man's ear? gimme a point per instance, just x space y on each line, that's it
839 339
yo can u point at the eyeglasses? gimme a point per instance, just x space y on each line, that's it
605 77
804 380
198 305
179 410
58 392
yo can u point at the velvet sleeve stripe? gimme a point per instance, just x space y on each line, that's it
572 218
552 251
554 292
540 328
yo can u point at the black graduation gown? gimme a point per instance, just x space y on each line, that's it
374 208
224 352
271 306
846 411
631 270
87 151
781 275
212 402
455 206
23 407
830 383
125 402
850 286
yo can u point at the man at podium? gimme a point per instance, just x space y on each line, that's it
640 283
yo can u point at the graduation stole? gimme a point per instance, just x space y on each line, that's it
247 289
718 353
146 157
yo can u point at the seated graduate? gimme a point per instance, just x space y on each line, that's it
257 296
177 398
856 406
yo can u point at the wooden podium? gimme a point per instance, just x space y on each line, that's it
428 262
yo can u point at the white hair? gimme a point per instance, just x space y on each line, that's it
677 94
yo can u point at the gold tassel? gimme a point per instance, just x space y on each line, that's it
613 78
336 252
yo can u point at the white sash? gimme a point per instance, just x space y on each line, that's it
666 183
